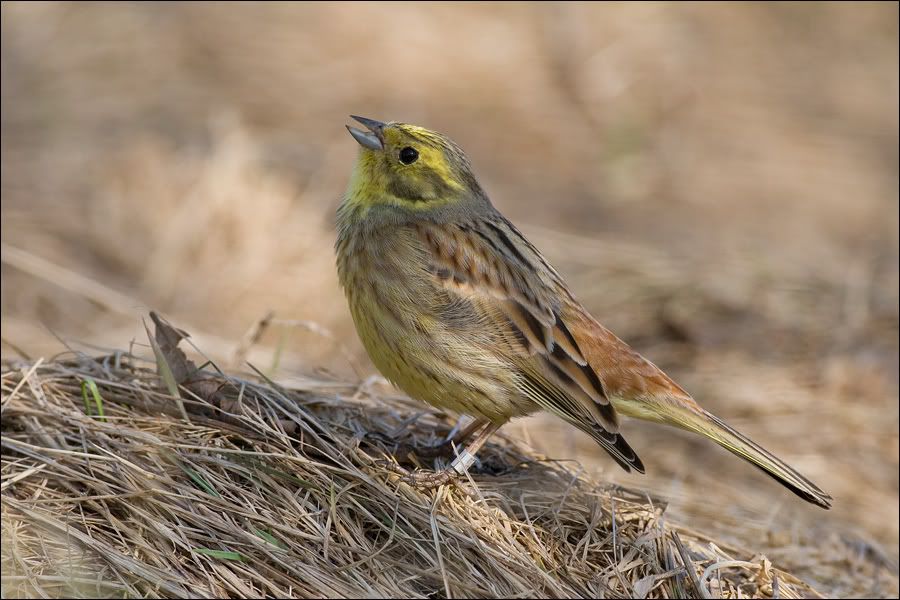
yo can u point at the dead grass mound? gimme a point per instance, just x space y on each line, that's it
121 479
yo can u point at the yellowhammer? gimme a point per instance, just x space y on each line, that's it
459 310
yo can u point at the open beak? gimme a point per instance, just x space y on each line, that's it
372 139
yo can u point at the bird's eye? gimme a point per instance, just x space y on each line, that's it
408 155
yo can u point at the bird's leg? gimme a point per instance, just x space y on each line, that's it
445 448
458 467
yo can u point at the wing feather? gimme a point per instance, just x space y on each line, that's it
487 262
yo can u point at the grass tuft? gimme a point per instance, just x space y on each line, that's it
288 480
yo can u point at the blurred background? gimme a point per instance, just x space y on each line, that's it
717 182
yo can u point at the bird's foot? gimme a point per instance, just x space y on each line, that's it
423 480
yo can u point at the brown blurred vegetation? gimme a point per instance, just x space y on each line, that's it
718 182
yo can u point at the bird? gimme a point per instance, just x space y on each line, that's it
459 310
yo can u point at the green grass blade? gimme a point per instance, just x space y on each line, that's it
223 554
200 482
270 538
90 384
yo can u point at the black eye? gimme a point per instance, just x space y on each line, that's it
408 155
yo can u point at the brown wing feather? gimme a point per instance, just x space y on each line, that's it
487 262
626 374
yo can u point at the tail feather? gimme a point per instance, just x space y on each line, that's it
680 410
617 447
742 446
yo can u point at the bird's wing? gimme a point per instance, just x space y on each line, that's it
517 294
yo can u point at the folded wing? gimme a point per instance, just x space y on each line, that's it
489 264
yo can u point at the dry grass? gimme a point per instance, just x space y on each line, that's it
265 491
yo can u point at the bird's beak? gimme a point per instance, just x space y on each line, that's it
372 139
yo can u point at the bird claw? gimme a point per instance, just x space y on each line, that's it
426 480
423 480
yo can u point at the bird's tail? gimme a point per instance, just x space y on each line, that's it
711 426
686 414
